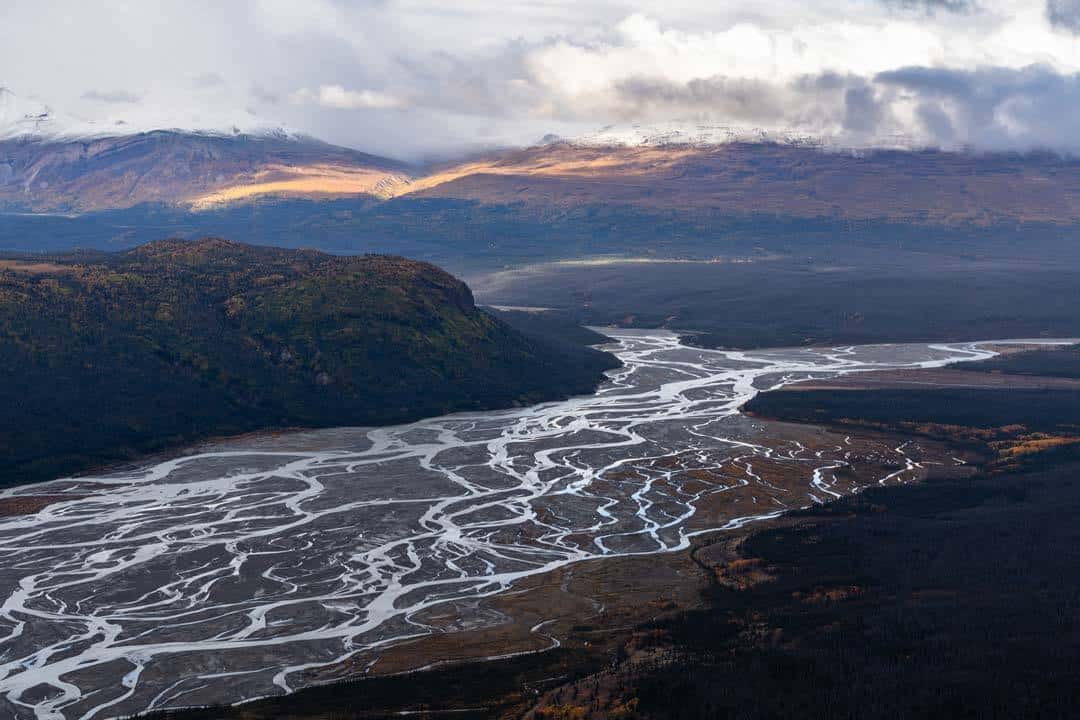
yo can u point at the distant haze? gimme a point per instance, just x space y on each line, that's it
419 79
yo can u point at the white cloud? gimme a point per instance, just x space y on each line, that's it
337 97
111 96
587 74
433 76
288 17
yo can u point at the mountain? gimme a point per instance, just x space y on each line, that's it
725 173
28 119
669 191
21 118
119 354
51 163
685 134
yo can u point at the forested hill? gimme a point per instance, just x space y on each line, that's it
105 356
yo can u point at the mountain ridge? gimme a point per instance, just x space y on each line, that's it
32 120
683 168
182 168
782 179
202 172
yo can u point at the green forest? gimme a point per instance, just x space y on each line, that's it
115 355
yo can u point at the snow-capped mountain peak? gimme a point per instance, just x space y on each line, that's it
683 133
22 118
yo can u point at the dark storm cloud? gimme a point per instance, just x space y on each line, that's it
862 111
741 99
986 88
1064 14
111 96
810 102
997 107
989 107
936 121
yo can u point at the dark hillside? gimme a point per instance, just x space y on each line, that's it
1045 411
114 355
555 326
956 598
1053 362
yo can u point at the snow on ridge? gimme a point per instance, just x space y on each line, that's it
20 118
691 134
23 119
683 134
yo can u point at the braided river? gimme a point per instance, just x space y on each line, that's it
233 571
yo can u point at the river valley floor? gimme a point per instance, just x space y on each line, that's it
294 561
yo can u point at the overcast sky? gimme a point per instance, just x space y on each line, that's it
418 78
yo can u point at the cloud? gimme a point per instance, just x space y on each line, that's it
436 77
1028 107
862 110
932 6
111 96
828 104
993 108
207 81
1064 14
936 121
263 95
818 101
338 98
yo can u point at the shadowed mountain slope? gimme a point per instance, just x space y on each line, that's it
114 355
